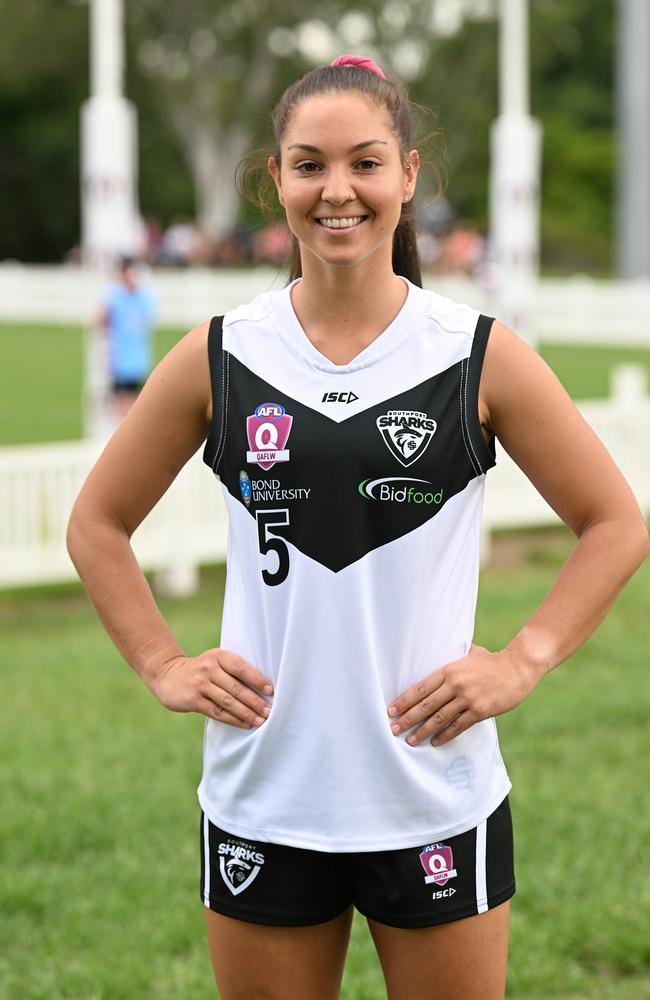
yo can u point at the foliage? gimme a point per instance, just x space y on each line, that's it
43 79
204 76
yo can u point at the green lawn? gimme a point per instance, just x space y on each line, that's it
99 822
41 394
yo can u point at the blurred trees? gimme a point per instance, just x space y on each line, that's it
205 73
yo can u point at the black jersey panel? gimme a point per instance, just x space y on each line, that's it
484 453
337 491
217 365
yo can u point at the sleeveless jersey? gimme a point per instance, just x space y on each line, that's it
354 494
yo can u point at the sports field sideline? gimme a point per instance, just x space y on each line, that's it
41 397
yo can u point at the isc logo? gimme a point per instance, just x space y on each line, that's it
339 397
269 411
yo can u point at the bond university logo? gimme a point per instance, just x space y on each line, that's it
438 863
245 487
407 433
268 430
239 863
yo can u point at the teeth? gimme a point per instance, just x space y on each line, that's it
342 223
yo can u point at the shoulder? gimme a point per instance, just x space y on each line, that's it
450 316
515 377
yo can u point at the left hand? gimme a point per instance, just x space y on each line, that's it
456 696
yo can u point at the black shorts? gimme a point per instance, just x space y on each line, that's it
434 883
126 385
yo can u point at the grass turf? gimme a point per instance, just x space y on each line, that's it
99 828
41 400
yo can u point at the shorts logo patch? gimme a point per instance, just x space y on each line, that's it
268 430
239 865
438 863
406 433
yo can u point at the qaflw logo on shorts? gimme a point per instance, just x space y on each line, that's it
406 433
240 864
438 863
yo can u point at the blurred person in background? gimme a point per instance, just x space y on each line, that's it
178 244
128 316
351 756
463 250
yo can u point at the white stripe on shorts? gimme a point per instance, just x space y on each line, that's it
481 876
206 856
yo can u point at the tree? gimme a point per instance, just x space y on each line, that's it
215 69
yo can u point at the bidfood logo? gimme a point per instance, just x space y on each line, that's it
397 489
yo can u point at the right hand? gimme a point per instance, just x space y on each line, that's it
217 683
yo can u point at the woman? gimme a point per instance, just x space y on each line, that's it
351 756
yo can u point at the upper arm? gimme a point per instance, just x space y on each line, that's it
167 423
534 418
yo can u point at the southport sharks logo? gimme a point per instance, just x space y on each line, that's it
239 863
406 433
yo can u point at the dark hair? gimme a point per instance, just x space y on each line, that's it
254 183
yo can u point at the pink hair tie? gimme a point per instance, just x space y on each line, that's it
361 61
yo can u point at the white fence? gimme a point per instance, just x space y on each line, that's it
38 485
573 310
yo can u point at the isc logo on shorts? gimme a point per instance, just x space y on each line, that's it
239 864
444 893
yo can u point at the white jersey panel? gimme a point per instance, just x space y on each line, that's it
324 771
267 337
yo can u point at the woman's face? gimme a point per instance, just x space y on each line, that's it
342 178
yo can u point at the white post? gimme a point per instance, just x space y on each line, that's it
633 126
109 213
515 179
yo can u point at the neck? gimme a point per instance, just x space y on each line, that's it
347 304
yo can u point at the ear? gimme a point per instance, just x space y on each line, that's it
411 172
274 170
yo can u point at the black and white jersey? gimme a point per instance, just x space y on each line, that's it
354 495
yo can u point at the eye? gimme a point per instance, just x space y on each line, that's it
367 165
307 167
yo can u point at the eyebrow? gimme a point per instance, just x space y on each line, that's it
354 149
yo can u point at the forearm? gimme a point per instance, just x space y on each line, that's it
605 557
122 597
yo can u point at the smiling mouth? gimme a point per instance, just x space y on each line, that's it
341 223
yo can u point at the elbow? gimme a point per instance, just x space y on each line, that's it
634 541
74 536
643 541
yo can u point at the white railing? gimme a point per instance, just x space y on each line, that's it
570 310
38 485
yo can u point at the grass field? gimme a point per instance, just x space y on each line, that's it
44 364
99 822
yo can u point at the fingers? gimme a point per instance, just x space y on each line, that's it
417 694
207 707
235 701
219 684
244 671
444 720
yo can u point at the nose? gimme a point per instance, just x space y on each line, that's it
337 188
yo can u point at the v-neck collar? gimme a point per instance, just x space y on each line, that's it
387 341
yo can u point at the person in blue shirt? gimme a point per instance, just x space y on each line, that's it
128 317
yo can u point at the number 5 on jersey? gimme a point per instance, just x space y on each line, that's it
269 542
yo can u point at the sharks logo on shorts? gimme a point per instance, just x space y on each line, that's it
406 433
239 864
